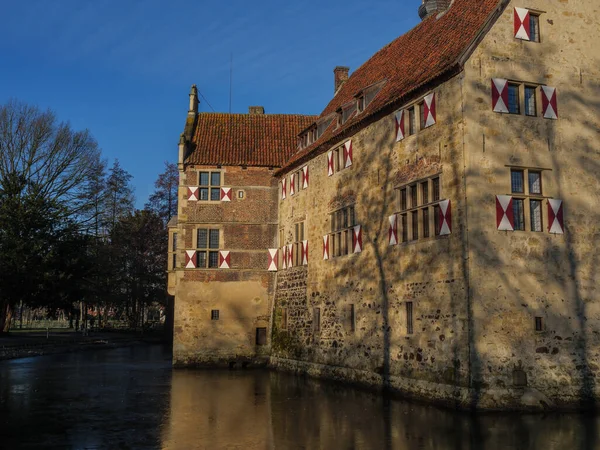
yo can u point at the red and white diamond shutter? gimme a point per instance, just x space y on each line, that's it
329 164
549 102
192 194
284 257
273 253
325 247
522 29
224 259
399 120
283 188
357 243
305 253
430 113
393 230
293 184
505 219
290 256
500 95
305 177
190 259
225 194
347 154
445 218
556 224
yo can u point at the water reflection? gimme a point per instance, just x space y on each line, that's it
130 399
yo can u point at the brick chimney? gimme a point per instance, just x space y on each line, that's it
193 101
256 109
340 76
429 7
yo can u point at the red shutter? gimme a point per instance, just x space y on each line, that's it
190 259
293 184
347 154
549 102
445 218
225 194
305 177
522 26
357 243
430 113
192 194
505 220
556 223
273 254
393 230
224 259
329 164
500 95
399 120
325 247
305 253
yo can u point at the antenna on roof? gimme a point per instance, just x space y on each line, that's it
230 78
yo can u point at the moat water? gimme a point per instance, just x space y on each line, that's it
130 398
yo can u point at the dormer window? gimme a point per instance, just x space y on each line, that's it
323 125
360 103
348 111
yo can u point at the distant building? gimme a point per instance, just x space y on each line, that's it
434 230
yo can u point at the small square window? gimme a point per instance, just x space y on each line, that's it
240 194
530 103
513 99
516 181
539 324
214 314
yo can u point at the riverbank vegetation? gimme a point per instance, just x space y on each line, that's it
71 241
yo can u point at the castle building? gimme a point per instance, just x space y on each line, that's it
434 230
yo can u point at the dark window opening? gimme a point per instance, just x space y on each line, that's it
214 314
539 324
415 225
519 214
530 103
352 318
403 203
404 221
426 222
411 121
436 220
413 196
317 319
436 189
513 99
409 317
261 336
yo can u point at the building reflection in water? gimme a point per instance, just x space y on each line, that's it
262 410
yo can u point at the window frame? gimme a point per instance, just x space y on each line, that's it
428 197
409 309
534 22
526 197
299 235
208 250
210 187
527 87
343 221
517 103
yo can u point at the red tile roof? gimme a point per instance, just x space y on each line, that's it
266 140
418 58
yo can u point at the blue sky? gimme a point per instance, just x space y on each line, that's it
123 68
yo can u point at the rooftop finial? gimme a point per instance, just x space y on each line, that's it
193 100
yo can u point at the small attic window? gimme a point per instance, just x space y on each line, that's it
322 126
348 111
371 93
360 103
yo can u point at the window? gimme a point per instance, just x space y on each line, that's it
317 319
534 27
322 126
513 98
403 204
214 314
535 210
415 225
411 121
342 224
284 318
519 214
424 197
352 318
210 183
516 181
173 251
422 116
535 183
539 324
425 222
436 189
240 194
404 223
371 92
413 196
261 336
409 317
207 243
297 182
360 103
425 192
298 238
530 104
348 111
